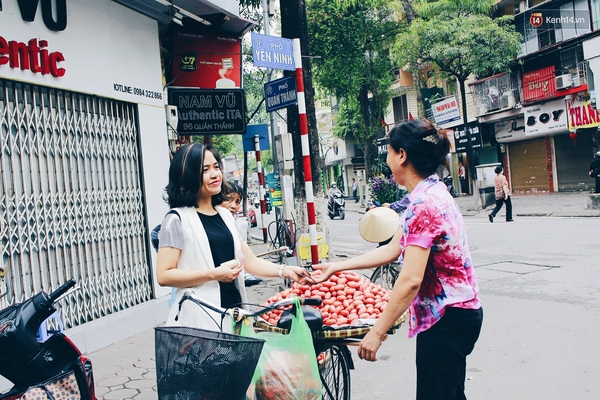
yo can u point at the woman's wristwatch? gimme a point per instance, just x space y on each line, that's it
281 268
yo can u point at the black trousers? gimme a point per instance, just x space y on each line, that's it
499 206
597 183
442 352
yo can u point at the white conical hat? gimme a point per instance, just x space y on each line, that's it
378 224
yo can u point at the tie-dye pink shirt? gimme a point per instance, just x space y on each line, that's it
433 220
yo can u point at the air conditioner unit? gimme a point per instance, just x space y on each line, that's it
507 100
564 81
481 109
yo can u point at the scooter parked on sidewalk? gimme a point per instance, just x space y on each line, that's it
49 369
336 205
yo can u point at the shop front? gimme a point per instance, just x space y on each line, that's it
81 108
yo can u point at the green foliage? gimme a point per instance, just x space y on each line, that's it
459 38
352 63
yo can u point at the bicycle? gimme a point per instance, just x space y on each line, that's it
331 347
386 275
282 233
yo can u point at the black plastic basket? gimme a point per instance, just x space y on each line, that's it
199 364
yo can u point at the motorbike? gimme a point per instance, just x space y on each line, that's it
448 181
268 206
336 205
41 368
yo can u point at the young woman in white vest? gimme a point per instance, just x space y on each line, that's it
200 248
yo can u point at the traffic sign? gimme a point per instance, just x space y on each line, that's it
272 52
262 130
280 93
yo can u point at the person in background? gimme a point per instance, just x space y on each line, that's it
595 171
462 177
502 196
199 247
233 194
437 282
355 190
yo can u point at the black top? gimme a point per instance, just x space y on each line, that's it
595 166
222 250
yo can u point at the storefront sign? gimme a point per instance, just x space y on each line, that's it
210 61
545 119
280 93
272 52
582 114
28 9
446 111
512 130
539 84
461 140
33 56
209 111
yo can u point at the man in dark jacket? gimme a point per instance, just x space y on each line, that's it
595 171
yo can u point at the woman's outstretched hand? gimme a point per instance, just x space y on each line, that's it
298 274
327 270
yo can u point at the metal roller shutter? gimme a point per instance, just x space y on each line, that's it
573 162
71 202
528 166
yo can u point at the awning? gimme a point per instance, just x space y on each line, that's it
207 16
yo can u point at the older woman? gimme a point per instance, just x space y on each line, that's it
437 283
502 193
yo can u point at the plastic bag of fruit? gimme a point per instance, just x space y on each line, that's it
287 368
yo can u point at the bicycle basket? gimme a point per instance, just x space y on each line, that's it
199 364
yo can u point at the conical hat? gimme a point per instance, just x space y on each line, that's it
378 224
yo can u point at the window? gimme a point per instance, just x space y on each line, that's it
400 106
595 14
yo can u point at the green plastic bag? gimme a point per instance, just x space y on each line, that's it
287 368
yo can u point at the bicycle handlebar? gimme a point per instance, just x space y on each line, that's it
239 313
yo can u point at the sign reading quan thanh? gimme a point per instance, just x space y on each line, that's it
272 52
280 93
209 111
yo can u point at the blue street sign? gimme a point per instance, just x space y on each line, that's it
280 93
262 130
272 52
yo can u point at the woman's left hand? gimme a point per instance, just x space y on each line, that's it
367 350
297 274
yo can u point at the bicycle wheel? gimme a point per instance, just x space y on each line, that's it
386 275
334 368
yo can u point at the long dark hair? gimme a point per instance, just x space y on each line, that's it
185 176
426 148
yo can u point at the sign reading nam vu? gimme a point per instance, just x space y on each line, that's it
209 111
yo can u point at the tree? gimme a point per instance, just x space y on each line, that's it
352 63
459 38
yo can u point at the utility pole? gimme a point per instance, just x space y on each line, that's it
294 25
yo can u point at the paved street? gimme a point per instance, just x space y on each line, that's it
538 280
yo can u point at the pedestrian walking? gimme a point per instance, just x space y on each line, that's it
437 283
462 177
502 195
355 190
200 249
595 171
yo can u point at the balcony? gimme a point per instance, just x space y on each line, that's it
496 93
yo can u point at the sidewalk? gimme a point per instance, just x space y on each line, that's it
126 370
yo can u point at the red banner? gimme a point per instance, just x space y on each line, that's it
539 84
206 61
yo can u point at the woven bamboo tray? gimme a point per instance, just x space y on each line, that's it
332 333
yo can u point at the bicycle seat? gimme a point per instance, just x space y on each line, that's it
312 316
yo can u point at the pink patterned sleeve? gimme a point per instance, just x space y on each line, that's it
424 225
